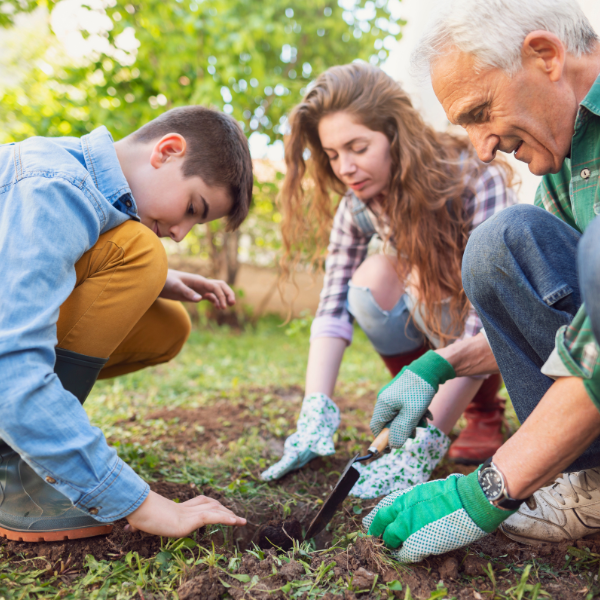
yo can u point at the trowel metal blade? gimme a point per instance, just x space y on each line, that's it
340 491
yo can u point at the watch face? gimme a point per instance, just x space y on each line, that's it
491 484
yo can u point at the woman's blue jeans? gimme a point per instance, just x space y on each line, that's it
527 273
392 331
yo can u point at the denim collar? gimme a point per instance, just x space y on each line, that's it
104 167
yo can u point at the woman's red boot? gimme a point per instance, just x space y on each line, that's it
397 362
483 434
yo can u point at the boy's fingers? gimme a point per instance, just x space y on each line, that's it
191 294
214 517
218 292
202 500
230 294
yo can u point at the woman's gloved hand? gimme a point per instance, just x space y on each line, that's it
318 421
434 517
402 403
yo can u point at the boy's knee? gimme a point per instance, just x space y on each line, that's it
181 324
177 322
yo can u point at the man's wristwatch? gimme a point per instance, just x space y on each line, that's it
492 483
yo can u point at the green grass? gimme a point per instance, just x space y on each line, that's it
216 364
219 361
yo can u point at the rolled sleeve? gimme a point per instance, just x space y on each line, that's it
118 495
576 354
331 327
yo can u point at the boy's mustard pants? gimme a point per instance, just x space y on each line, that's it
114 311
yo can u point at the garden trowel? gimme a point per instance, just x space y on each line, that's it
345 483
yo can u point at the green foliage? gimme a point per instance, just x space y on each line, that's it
9 8
253 60
250 59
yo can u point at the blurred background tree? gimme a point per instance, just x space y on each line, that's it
71 66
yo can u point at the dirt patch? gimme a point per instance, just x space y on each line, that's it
279 534
206 426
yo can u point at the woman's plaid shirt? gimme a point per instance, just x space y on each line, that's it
348 244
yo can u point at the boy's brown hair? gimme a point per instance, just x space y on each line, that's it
217 151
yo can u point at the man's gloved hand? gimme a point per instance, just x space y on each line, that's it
402 403
318 421
434 517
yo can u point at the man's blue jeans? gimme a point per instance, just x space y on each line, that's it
526 272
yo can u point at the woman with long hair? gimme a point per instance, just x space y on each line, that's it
410 196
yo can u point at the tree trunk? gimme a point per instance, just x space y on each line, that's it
231 243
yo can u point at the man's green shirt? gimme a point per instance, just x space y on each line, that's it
573 195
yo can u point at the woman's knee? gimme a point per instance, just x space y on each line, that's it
378 274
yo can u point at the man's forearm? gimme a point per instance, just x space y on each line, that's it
470 357
562 426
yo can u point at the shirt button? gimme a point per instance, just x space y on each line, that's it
585 174
50 480
128 202
93 511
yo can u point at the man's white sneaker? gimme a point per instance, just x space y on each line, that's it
567 510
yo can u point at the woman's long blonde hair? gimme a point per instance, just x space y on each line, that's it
424 203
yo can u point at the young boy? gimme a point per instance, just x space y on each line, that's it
86 293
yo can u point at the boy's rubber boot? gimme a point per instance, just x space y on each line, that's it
483 435
31 510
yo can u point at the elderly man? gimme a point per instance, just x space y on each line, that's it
520 77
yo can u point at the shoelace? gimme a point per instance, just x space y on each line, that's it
565 486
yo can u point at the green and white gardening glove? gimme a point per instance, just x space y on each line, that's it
318 421
402 404
434 517
402 467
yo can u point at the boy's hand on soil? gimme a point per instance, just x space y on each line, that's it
161 516
189 287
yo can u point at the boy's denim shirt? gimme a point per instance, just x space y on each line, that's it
57 195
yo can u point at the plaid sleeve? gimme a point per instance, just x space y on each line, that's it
346 251
488 195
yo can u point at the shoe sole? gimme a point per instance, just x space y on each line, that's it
536 542
54 536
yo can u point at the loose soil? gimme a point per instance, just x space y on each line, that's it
363 562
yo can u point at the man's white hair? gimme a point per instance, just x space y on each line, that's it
493 31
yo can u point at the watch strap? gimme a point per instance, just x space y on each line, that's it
508 503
